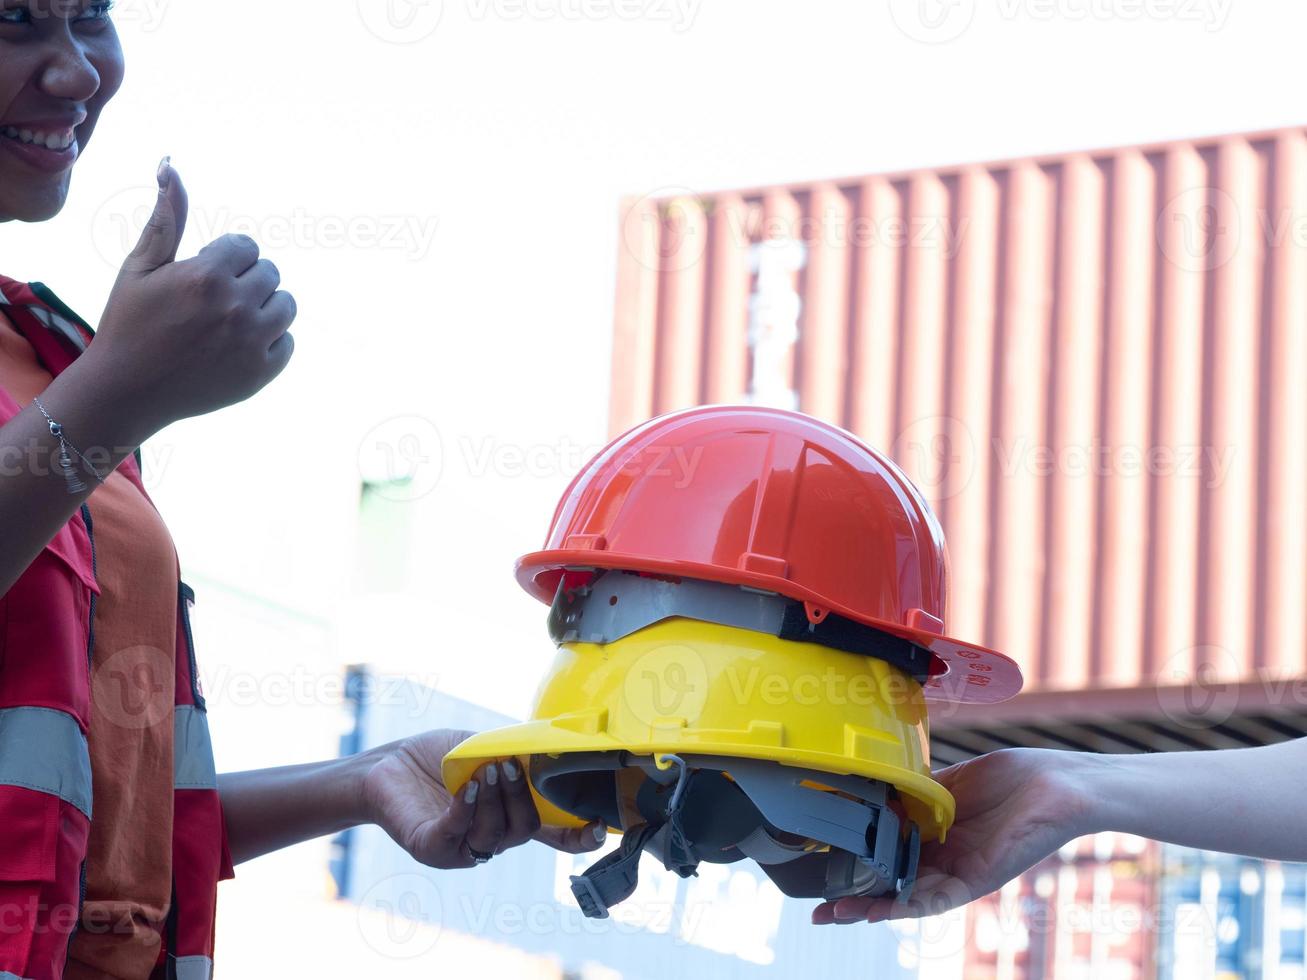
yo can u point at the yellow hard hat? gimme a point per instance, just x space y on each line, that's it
691 718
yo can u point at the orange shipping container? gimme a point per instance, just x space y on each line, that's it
1094 365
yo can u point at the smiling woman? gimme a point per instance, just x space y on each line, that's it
62 63
124 885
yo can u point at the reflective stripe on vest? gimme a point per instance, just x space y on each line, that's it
192 760
194 967
44 750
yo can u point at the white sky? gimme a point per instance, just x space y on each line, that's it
499 141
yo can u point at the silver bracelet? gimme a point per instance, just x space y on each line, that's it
66 453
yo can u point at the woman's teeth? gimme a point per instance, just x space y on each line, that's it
51 141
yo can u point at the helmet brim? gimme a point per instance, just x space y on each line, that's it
929 805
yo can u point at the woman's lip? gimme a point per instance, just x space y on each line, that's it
51 125
40 157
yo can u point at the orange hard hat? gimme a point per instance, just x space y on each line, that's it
779 502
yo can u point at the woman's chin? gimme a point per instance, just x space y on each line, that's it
38 204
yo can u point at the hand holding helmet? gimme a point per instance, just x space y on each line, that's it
1014 808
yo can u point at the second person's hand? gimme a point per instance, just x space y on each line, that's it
1014 808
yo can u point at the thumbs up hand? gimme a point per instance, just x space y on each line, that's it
163 232
180 339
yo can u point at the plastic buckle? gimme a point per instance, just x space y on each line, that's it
587 896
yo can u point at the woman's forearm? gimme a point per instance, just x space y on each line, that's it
34 497
269 809
1243 801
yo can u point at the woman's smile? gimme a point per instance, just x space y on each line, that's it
47 145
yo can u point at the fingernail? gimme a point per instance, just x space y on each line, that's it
511 770
162 173
492 774
470 794
600 833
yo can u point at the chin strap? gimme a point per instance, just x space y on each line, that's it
613 878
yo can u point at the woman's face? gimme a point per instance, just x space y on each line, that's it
60 62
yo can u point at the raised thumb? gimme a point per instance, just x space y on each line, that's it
163 232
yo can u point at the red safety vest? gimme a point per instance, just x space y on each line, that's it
46 808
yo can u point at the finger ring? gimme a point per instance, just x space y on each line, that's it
480 857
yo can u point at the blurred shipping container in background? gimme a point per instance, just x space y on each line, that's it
1084 912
